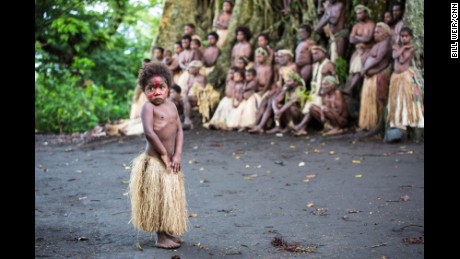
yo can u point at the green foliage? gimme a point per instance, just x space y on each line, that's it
60 106
341 68
87 57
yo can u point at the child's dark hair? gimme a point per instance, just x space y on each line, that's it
265 36
168 51
176 88
241 72
179 43
191 25
245 30
162 50
252 71
228 1
186 37
400 5
213 33
408 30
153 69
197 41
146 60
306 27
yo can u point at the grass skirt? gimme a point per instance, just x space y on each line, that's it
157 197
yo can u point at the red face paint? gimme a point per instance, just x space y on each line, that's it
157 89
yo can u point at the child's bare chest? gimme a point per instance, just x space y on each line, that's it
163 118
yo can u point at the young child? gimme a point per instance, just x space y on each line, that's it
405 102
157 185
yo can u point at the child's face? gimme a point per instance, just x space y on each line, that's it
240 63
158 54
168 54
177 48
261 41
156 90
260 58
405 37
249 76
212 40
388 19
237 77
188 30
193 45
173 95
227 7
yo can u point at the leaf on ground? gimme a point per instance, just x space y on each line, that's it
204 181
311 176
195 147
317 150
292 146
125 182
268 171
45 169
353 142
311 204
331 152
247 166
386 154
81 238
279 134
197 244
358 175
82 198
201 168
337 159
68 149
125 193
40 165
193 215
306 180
414 240
404 198
250 177
272 143
258 166
410 152
402 147
356 161
127 167
78 171
237 157
323 144
138 246
307 153
301 164
191 161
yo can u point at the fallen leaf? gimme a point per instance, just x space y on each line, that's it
195 147
311 204
414 240
301 164
237 157
317 150
402 147
250 177
272 143
81 238
323 144
410 152
45 169
356 161
268 171
337 159
197 244
353 142
78 171
125 193
127 168
204 181
201 168
307 153
68 149
45 143
404 198
258 166
311 176
248 166
358 175
279 134
193 215
386 154
191 161
125 182
40 165
292 146
331 152
306 180
281 163
82 198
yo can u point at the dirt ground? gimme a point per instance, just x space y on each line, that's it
349 198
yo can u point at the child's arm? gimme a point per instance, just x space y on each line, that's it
177 157
152 137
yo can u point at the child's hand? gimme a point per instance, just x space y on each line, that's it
176 163
167 162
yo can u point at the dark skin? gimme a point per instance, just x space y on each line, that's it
174 66
329 69
211 52
361 36
398 23
249 86
380 55
264 75
222 21
158 55
263 43
334 108
176 98
164 136
196 52
335 17
403 54
303 58
238 89
185 57
242 48
191 100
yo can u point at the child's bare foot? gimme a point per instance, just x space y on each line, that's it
167 244
274 130
301 132
163 241
334 131
256 130
174 238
